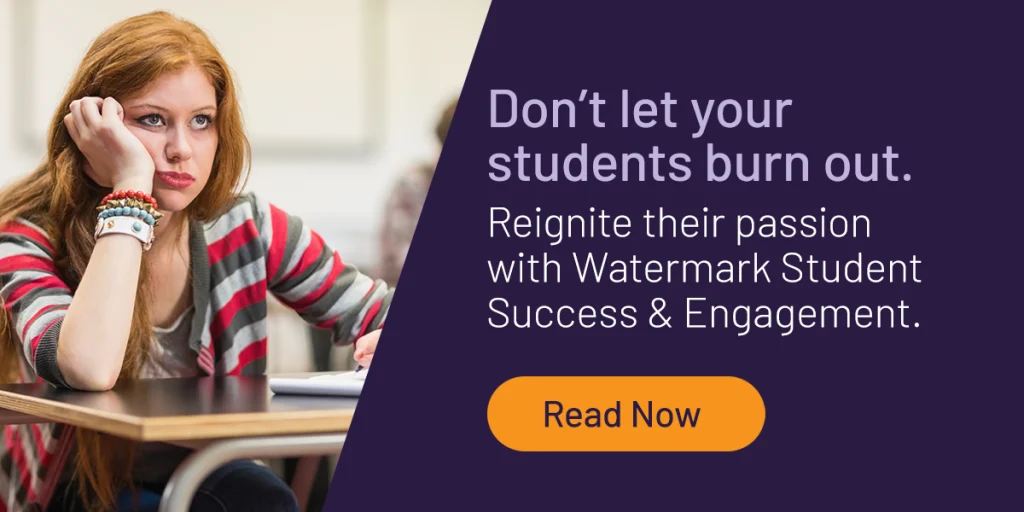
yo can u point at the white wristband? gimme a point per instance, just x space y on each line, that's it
126 225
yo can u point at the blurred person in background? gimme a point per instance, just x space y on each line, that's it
129 253
404 204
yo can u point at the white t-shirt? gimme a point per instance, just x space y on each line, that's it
170 355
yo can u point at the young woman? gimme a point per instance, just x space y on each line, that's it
129 253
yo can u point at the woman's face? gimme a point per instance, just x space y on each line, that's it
175 118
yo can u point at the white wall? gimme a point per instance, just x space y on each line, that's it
319 79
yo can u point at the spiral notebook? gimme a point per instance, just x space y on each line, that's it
348 384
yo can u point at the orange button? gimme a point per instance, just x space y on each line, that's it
620 414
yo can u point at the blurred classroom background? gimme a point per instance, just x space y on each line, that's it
341 97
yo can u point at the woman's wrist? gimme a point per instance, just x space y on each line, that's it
141 185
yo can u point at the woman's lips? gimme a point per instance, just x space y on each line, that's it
175 179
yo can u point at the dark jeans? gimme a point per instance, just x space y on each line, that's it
237 486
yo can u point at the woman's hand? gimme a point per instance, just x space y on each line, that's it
365 347
115 157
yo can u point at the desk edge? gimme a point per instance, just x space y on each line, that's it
120 425
180 428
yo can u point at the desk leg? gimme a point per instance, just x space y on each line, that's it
190 475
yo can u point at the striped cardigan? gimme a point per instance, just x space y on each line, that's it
253 249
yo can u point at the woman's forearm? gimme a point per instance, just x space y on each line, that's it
94 334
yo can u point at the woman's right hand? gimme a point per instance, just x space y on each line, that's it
115 157
365 347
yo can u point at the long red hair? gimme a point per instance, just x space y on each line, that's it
61 198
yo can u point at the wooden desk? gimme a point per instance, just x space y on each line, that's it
240 414
181 409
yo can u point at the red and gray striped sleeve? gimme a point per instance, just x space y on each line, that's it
310 277
35 299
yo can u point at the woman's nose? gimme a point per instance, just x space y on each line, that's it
178 148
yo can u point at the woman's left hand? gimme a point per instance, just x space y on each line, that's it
365 347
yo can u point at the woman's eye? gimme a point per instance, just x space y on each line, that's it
201 122
150 120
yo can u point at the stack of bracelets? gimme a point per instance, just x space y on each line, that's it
128 212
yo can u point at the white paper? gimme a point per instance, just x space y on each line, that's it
335 384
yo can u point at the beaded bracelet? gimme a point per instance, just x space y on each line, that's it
131 194
128 211
130 203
